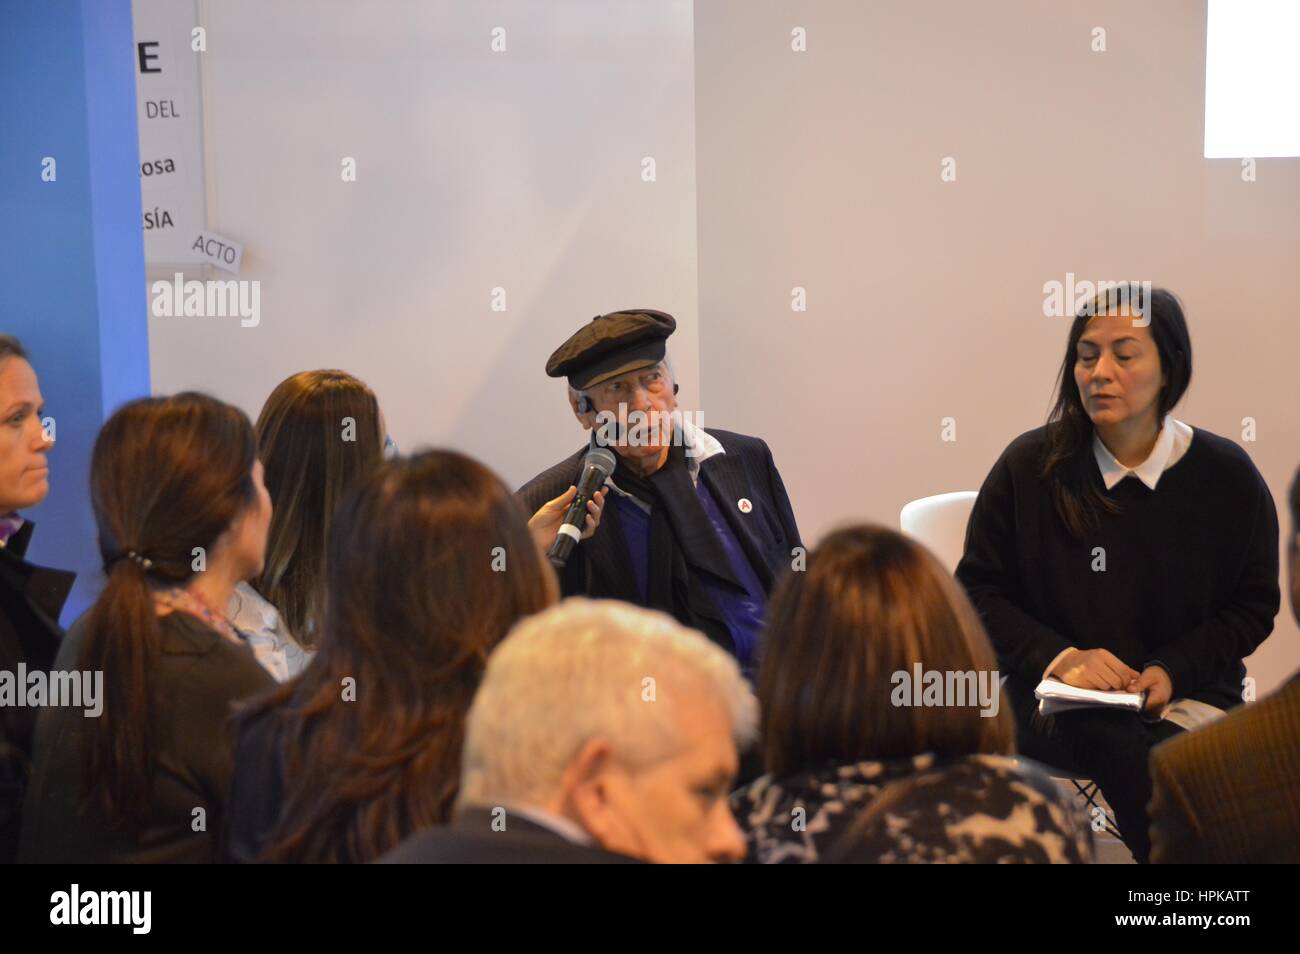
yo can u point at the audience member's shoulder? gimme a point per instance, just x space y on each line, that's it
991 779
457 843
560 475
259 730
1251 728
1012 772
749 795
183 635
224 663
69 652
976 809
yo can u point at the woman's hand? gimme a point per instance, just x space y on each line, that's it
1095 669
545 524
1157 685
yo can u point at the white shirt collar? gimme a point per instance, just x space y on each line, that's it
1171 445
700 444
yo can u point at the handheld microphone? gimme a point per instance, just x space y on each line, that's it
596 466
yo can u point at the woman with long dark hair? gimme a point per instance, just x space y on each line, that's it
430 562
1116 548
182 517
319 432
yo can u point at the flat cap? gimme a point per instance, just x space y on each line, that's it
610 345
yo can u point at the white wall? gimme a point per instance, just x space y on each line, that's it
475 169
818 169
822 169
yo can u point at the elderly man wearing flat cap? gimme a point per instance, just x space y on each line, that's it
696 522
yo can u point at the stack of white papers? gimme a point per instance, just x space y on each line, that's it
1056 696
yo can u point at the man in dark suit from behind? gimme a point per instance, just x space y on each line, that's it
601 733
696 522
1231 792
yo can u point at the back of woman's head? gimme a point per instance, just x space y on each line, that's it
318 434
871 603
168 477
430 563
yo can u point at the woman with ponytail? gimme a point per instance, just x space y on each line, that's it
182 515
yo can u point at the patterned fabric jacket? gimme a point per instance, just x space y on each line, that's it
981 809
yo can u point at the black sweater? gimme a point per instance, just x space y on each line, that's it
1191 568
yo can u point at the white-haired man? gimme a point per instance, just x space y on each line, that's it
700 524
601 732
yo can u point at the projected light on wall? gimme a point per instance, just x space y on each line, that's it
1252 79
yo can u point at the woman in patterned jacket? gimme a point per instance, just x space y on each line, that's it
875 671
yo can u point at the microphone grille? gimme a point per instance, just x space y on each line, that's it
602 459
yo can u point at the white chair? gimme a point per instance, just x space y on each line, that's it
939 522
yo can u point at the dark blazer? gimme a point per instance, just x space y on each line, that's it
470 839
31 598
1228 792
601 567
195 680
256 791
